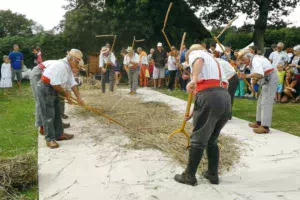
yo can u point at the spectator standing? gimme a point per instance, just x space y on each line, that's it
39 58
271 50
33 57
281 75
160 57
228 52
279 56
295 60
183 81
5 81
172 68
151 63
16 60
240 91
143 63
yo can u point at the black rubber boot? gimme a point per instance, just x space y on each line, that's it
188 176
213 164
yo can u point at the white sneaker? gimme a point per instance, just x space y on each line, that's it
246 95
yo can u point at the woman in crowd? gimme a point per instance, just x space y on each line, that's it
291 88
295 60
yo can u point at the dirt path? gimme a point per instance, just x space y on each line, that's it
94 165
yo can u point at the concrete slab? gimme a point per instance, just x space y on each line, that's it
93 166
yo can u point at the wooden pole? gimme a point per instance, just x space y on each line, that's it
165 23
99 36
228 25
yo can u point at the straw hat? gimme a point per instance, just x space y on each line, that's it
159 44
104 49
242 52
77 54
129 49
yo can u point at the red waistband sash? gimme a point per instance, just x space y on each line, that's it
269 71
45 79
41 66
205 84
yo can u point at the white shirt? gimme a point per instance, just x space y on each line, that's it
260 65
210 67
171 63
6 70
127 59
60 73
104 59
278 58
49 62
227 67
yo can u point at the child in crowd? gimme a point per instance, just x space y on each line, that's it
281 75
240 90
91 79
6 77
39 58
255 87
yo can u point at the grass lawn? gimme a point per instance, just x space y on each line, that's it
17 132
286 117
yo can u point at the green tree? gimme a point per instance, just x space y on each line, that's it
262 11
13 24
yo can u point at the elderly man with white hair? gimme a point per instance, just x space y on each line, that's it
58 79
279 56
261 69
295 60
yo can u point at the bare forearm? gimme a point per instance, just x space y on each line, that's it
59 89
76 91
255 75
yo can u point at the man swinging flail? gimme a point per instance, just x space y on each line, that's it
210 114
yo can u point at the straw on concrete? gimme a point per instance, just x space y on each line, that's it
150 124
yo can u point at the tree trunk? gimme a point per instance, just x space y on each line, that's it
261 25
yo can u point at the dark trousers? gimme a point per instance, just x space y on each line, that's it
233 84
62 106
211 113
50 111
172 79
109 76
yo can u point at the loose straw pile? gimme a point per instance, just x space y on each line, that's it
151 123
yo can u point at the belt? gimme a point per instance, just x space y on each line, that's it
205 84
269 71
45 79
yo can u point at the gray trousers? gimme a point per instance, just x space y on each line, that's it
35 76
111 77
62 106
50 110
211 113
133 76
264 108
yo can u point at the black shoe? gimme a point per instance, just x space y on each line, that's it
64 116
66 125
213 179
189 175
185 178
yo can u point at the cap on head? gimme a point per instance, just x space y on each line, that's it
129 49
159 44
77 54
